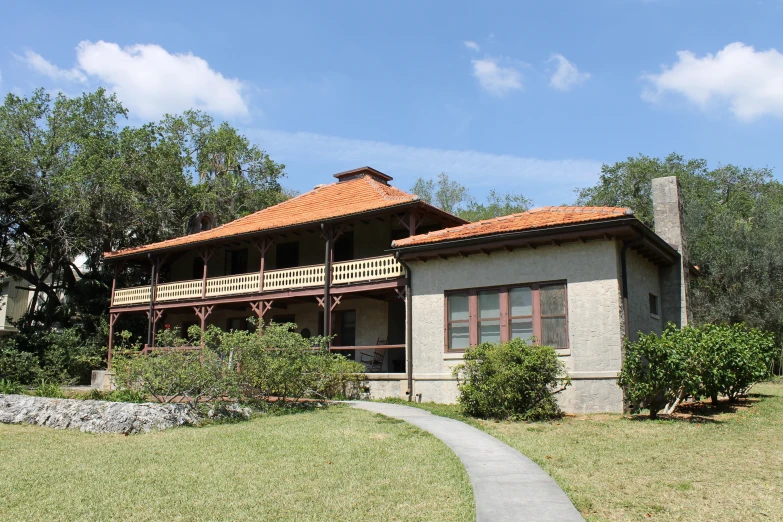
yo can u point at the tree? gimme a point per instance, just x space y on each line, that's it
73 184
733 227
451 196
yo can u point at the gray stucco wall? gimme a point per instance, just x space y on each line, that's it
594 316
643 280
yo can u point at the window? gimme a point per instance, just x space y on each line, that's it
287 255
236 262
654 306
343 247
458 321
509 312
198 268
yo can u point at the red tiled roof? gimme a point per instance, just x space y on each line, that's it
345 198
532 219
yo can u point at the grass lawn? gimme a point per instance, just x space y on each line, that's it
334 464
703 465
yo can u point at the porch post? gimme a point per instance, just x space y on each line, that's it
205 253
261 308
112 319
203 312
262 246
327 233
151 312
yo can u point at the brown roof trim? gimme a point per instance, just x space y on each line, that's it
621 228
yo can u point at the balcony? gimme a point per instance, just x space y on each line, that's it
345 272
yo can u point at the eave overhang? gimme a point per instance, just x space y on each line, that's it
248 236
622 229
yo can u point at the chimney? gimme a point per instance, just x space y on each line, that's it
669 226
377 175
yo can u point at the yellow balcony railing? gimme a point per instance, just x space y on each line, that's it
344 272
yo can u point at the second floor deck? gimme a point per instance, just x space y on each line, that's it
342 273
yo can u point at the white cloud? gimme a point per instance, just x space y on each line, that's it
470 44
495 79
750 82
149 80
546 181
566 75
40 64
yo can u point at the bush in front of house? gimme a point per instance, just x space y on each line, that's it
193 377
281 363
660 371
734 358
240 366
512 380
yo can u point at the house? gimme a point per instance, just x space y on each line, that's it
15 298
409 287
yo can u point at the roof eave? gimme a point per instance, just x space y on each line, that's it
115 256
543 233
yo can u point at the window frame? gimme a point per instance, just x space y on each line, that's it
657 313
505 311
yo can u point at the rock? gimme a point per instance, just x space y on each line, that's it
94 416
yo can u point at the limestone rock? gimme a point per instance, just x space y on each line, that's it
94 416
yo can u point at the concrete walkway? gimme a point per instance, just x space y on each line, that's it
506 484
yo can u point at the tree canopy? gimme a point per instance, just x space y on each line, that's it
74 183
733 227
451 196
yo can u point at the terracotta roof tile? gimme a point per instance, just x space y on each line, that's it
345 198
532 219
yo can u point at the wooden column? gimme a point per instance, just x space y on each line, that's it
261 308
203 312
151 312
156 315
327 235
410 221
205 253
333 302
112 320
117 267
262 245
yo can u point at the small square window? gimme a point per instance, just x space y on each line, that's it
654 305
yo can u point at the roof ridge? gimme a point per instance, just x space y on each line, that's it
380 188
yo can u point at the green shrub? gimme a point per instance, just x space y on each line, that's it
734 358
48 389
15 365
660 371
282 363
125 395
193 377
512 380
9 387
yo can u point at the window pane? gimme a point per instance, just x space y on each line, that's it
553 332
489 332
521 328
553 300
489 304
458 336
521 301
458 307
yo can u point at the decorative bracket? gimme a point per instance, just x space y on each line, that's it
335 301
202 312
156 317
411 221
263 244
261 307
400 293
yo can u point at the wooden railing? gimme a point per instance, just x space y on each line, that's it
344 272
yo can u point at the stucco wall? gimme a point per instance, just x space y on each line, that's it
643 280
594 316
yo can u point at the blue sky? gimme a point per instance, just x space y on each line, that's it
516 96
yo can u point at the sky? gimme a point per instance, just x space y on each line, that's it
524 97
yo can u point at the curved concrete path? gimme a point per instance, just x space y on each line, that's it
507 485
